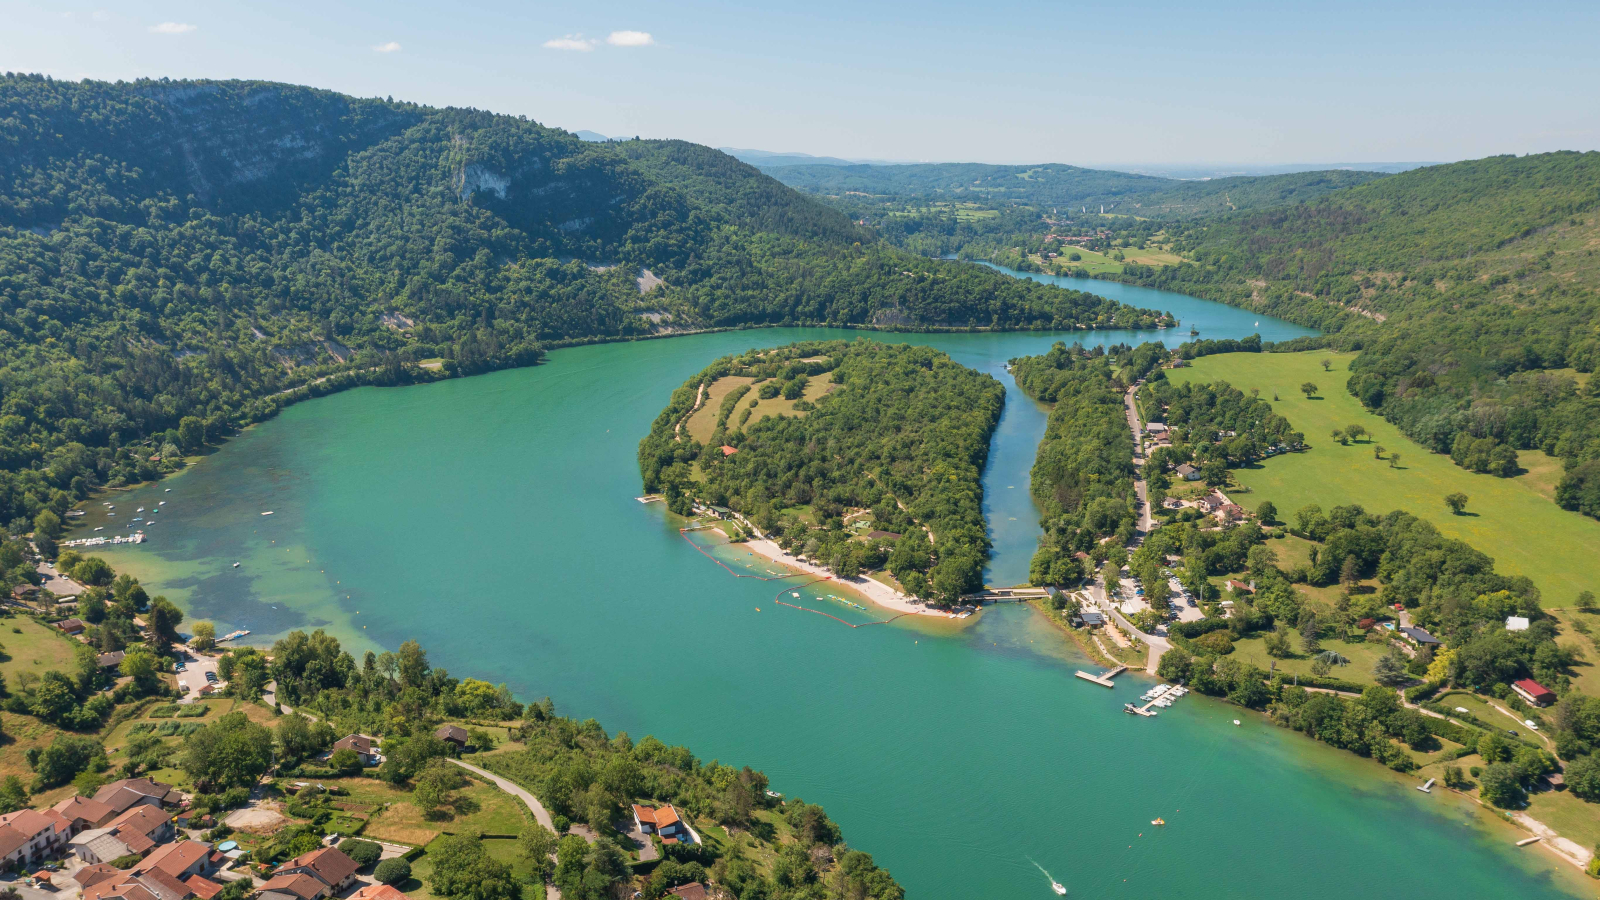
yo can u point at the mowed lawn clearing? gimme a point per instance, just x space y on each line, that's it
1508 518
31 647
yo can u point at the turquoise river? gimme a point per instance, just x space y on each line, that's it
493 519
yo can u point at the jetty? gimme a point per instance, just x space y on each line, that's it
1426 788
1526 841
135 538
1104 680
1161 695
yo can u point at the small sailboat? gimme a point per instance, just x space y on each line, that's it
1158 821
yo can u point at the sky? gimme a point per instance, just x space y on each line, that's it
1157 83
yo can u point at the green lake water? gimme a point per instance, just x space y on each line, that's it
494 520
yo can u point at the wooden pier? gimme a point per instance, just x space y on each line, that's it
1103 680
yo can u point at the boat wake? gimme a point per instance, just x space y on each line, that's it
1055 885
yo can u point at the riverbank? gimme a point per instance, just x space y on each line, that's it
876 591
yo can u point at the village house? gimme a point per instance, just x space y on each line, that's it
1240 587
318 874
452 734
24 591
665 822
1422 638
28 836
83 813
1212 502
1188 472
1516 623
1231 512
129 792
361 744
1535 693
378 892
694 890
137 831
73 627
110 660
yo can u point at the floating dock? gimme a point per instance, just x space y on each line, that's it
1427 788
1526 841
1104 680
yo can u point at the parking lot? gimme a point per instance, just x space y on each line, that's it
193 675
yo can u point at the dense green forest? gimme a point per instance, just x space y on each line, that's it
1472 289
902 432
214 250
1083 475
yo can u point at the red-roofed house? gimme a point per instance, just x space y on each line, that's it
361 744
82 813
694 890
27 836
378 892
664 821
301 887
130 792
1534 692
729 451
328 867
180 860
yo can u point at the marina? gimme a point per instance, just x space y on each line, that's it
135 538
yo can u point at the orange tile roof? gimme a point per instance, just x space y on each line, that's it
666 815
173 859
11 840
646 814
143 819
85 809
328 864
376 892
95 874
29 821
204 888
300 885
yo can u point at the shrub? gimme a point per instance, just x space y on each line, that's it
392 871
1218 642
165 711
126 862
362 853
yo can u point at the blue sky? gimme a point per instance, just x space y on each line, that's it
1096 84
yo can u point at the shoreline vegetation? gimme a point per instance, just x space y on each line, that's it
1399 582
876 467
282 709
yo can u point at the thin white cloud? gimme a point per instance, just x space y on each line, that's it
391 47
172 28
630 39
570 42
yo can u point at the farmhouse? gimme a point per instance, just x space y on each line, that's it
1532 691
361 744
452 734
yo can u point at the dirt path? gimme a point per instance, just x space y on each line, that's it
534 806
699 398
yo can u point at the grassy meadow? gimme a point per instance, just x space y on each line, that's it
1511 519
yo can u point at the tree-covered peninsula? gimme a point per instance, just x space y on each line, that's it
1083 476
215 249
858 455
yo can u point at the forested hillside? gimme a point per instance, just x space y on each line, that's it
213 250
1473 288
896 440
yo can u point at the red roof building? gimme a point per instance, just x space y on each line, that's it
729 451
1535 693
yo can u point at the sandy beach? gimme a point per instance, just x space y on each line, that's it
876 591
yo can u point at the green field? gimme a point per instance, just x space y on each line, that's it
1510 519
32 647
